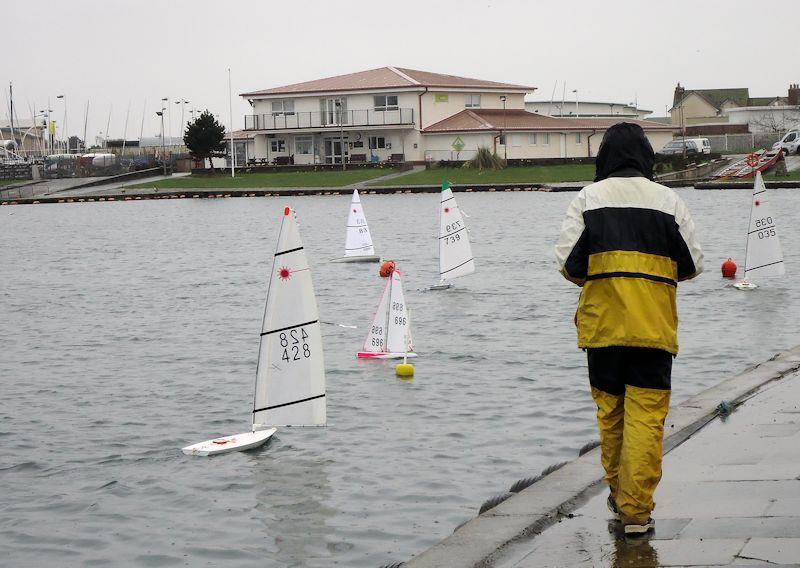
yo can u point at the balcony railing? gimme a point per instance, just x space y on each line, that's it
329 119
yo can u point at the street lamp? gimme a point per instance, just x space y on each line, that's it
169 122
163 150
183 103
64 134
505 142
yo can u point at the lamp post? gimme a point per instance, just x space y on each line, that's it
169 122
576 102
183 103
505 142
163 150
64 134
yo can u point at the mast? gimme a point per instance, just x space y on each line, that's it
11 103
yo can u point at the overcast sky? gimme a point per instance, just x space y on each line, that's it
131 54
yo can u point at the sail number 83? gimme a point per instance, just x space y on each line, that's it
294 345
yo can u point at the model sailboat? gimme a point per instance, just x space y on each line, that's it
455 252
290 377
389 336
764 256
358 243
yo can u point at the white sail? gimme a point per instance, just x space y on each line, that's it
358 241
764 254
378 331
455 252
290 381
399 339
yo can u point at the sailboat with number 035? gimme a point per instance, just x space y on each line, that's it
764 257
455 252
389 336
358 242
290 377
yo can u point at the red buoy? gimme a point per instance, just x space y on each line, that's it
386 269
729 269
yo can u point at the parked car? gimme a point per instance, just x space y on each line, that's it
692 145
790 143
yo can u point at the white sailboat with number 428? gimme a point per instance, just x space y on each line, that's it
455 252
290 377
764 257
358 243
389 336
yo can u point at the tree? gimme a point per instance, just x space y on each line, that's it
205 138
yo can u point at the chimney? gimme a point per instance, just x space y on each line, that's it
678 95
794 95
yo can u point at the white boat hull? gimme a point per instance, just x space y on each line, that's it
227 444
744 285
441 286
365 258
371 355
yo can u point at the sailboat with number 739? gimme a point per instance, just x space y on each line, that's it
764 255
290 377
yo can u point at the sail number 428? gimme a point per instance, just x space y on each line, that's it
294 345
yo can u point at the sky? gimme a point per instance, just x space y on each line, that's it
124 57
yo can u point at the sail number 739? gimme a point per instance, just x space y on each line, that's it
294 344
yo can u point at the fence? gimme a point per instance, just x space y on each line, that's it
743 142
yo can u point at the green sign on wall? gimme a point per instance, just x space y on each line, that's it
441 97
458 144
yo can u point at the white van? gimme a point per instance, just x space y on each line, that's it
703 145
790 142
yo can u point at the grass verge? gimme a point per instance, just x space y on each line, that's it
268 179
524 174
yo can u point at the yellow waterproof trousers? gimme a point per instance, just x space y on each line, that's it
631 434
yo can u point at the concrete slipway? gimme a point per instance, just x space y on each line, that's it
730 495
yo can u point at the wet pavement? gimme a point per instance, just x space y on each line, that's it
729 496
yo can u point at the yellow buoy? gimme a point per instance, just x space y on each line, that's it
404 370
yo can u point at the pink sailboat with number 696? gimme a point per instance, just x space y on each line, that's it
389 336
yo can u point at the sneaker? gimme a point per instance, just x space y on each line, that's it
635 529
612 506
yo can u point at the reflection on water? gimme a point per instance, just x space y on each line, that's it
129 330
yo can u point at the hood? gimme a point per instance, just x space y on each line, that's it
624 147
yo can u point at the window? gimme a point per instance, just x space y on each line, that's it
283 107
303 145
385 102
532 139
577 138
473 101
546 139
502 140
376 142
790 137
277 145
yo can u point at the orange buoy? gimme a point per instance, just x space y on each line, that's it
386 269
729 269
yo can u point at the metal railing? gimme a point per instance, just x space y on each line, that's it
328 119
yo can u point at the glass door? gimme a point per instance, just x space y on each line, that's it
335 150
334 111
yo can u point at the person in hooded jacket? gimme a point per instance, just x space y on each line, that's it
628 241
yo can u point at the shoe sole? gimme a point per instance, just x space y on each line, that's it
639 529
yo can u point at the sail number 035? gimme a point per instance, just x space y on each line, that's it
294 345
766 229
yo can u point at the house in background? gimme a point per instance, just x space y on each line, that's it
400 114
372 115
733 111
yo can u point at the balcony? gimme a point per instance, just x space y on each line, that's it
329 119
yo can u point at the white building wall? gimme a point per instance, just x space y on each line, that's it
435 108
766 118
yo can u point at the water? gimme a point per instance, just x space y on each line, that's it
128 330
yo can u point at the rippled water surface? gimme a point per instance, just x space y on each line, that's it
128 330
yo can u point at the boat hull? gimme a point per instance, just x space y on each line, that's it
367 258
227 444
371 355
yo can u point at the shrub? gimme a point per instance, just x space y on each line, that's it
485 160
